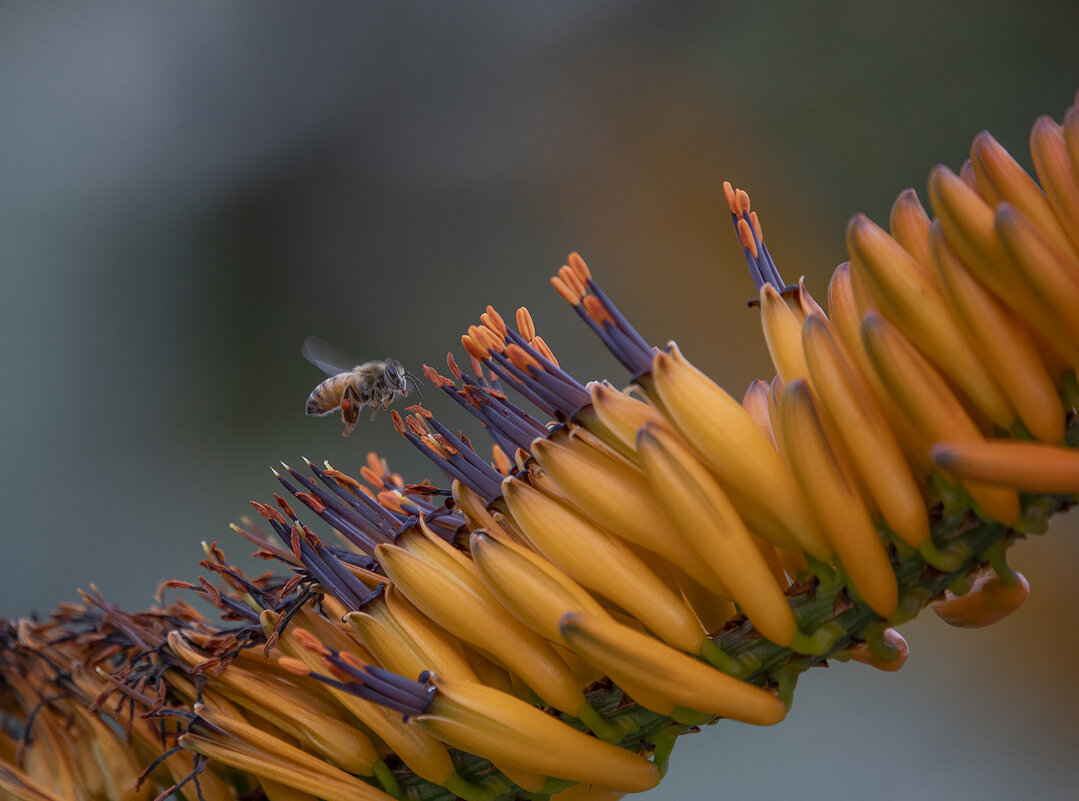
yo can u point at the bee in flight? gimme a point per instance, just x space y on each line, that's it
370 384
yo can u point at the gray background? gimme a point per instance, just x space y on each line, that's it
186 192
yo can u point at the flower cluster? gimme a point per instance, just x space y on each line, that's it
618 566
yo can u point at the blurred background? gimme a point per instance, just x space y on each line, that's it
186 192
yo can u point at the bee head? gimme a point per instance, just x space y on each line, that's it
398 377
395 374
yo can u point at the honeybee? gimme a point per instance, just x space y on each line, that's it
372 384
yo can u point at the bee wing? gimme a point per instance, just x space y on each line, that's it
326 357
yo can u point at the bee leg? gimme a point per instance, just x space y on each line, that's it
350 411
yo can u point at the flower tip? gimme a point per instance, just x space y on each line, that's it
983 140
872 323
944 455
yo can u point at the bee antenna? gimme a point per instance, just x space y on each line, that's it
415 382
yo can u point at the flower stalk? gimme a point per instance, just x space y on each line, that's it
623 567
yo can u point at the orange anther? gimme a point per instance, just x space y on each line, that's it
309 641
475 350
756 225
596 311
293 665
541 346
745 236
398 423
501 460
452 364
524 323
564 289
728 193
578 266
522 359
496 320
371 477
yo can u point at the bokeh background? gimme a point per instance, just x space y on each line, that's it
188 190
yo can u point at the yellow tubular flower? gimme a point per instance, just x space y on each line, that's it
510 732
622 413
707 519
602 563
1003 180
292 709
927 400
783 334
536 591
1005 343
914 304
280 792
479 516
732 444
840 509
846 322
393 649
422 753
970 178
909 226
614 494
1055 172
1071 133
20 786
246 747
1051 271
636 659
445 586
970 228
117 763
870 441
755 402
1024 466
404 641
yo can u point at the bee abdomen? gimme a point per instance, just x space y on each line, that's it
326 396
